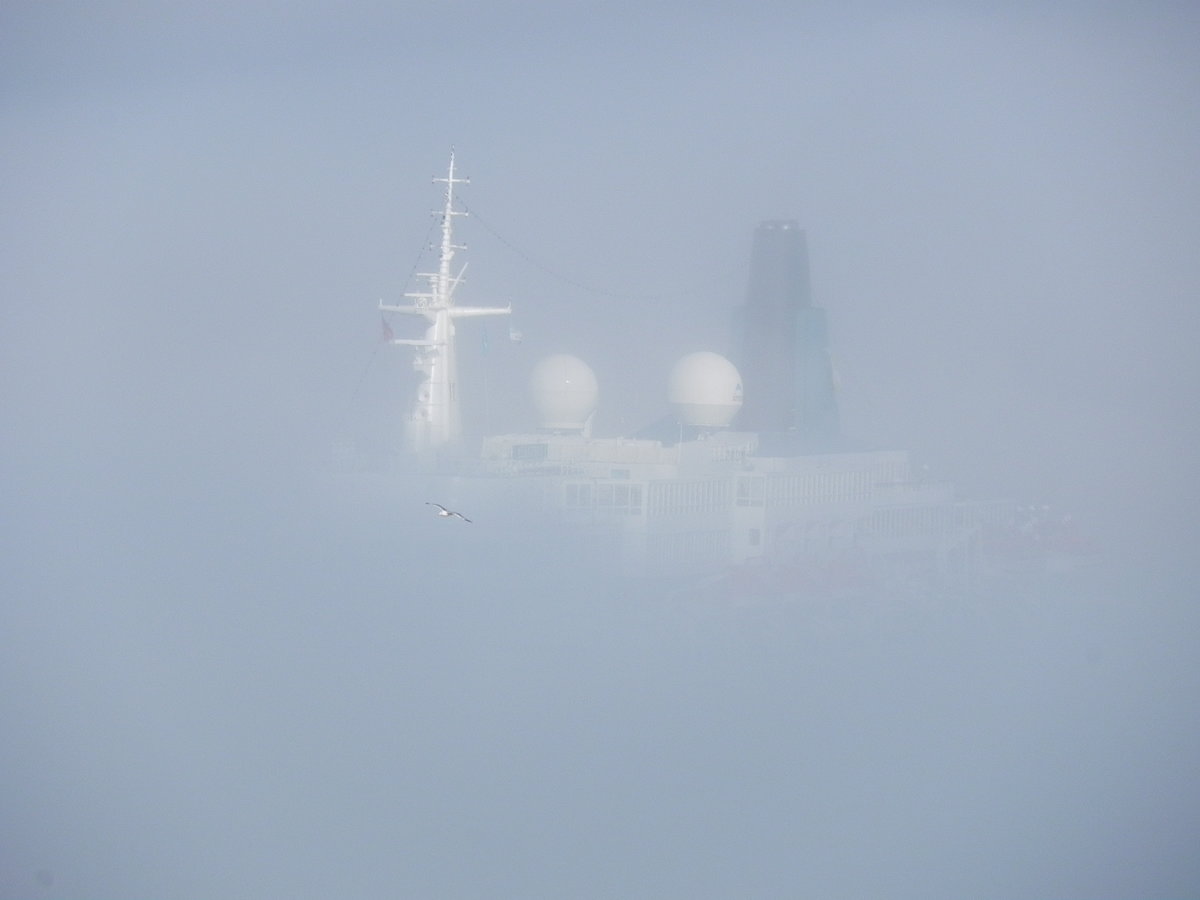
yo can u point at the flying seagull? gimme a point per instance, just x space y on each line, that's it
447 513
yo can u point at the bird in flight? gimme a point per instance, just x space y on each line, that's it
447 513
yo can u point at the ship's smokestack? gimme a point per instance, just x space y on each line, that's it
782 347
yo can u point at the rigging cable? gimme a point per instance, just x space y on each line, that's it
537 264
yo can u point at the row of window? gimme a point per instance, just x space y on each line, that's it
781 491
615 497
528 452
734 453
662 498
672 498
665 498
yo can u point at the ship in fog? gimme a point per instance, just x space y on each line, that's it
748 471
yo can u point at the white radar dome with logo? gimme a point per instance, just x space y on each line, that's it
705 390
564 393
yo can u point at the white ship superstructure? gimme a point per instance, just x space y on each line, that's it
712 502
702 496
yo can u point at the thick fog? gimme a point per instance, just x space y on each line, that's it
228 670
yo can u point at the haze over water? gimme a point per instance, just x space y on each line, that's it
228 672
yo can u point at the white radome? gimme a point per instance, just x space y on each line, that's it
564 392
705 389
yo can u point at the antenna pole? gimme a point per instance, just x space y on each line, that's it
445 282
435 426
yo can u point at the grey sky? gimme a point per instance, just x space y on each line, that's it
1001 204
210 661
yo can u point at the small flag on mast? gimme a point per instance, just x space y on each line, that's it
388 334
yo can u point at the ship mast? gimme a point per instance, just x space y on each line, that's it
435 426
